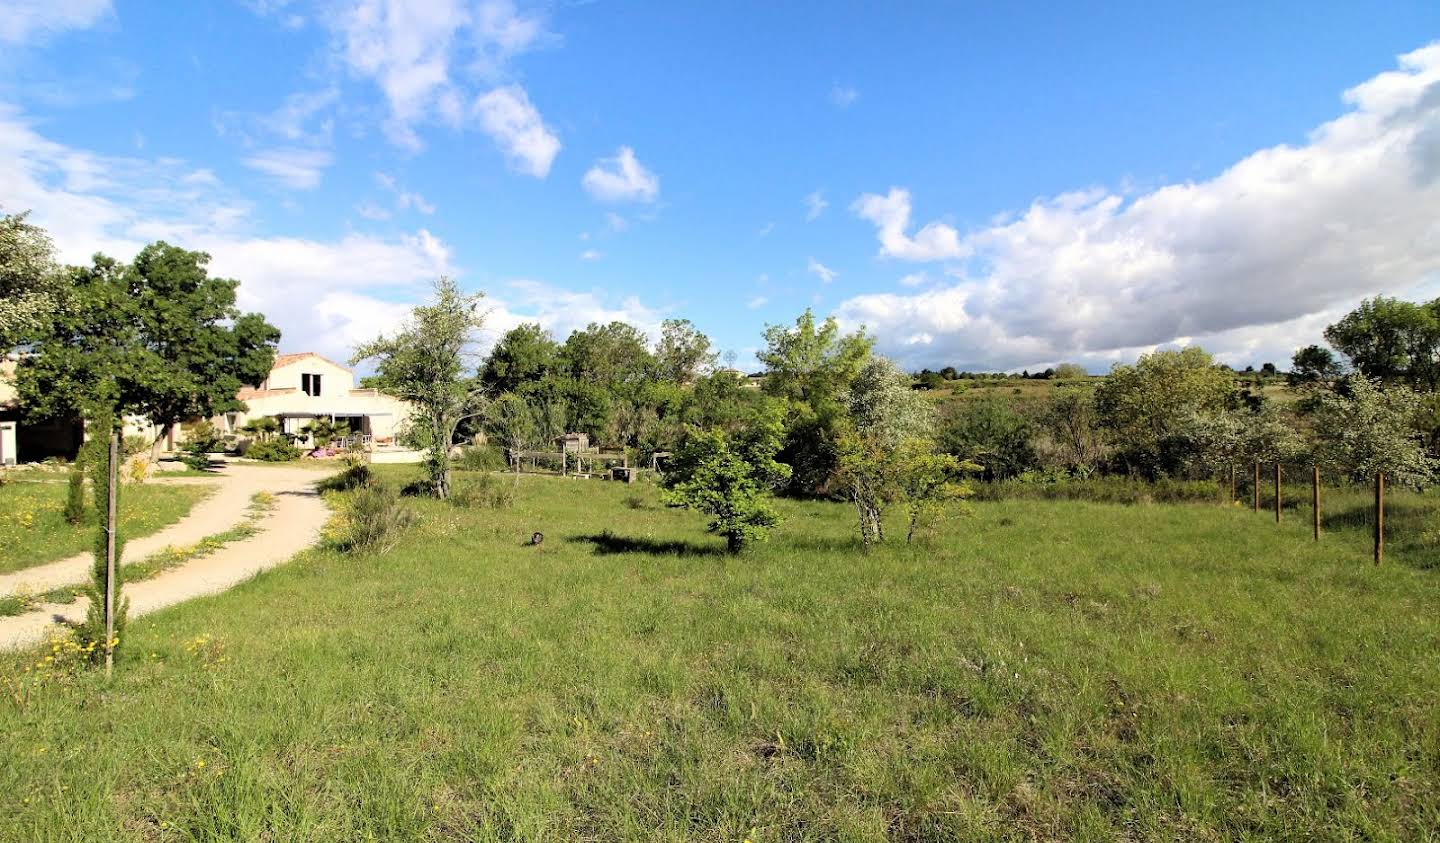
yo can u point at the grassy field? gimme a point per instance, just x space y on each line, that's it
1044 670
33 529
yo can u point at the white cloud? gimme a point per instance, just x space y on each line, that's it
843 95
371 211
891 215
621 178
591 255
404 199
615 221
29 21
765 230
426 57
757 302
1254 261
821 271
507 116
914 279
297 168
562 311
815 205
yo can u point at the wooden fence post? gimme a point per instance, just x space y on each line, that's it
1379 516
111 481
1256 489
1315 497
1277 493
1232 483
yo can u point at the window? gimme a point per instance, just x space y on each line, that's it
310 384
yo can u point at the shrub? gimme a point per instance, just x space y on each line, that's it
1114 489
355 475
132 445
484 492
372 519
481 458
202 437
75 498
272 450
634 502
195 456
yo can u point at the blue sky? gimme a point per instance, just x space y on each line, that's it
996 185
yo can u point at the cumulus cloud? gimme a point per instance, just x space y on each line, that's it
621 178
891 215
1253 261
506 115
815 205
757 302
821 271
29 21
843 95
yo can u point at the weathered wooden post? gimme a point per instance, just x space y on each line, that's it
1379 516
112 480
1232 483
1256 488
1277 493
1315 497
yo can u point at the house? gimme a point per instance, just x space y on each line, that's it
304 387
23 441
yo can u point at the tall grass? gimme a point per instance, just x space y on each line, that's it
1044 671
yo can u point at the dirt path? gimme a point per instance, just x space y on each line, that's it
291 526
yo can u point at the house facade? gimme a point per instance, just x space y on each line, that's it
304 387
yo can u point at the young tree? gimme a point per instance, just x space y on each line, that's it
92 633
424 363
1072 430
684 353
927 482
514 427
884 417
730 477
993 433
1370 429
159 334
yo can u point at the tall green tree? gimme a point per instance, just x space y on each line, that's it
1313 364
425 362
1370 428
526 354
31 284
684 353
809 365
613 355
1147 406
1392 340
158 338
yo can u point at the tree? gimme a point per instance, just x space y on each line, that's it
1313 364
1146 405
992 433
1370 429
1072 430
1070 371
91 633
424 363
1392 341
927 481
324 431
884 417
157 338
684 353
514 426
31 285
609 355
525 354
730 477
809 367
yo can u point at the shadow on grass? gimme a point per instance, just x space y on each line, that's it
607 543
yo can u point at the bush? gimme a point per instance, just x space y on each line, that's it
75 498
355 475
195 456
484 492
481 458
202 437
371 519
132 445
272 450
992 433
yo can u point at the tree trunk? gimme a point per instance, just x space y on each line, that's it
155 446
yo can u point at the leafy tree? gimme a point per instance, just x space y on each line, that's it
262 428
992 433
514 426
1070 371
1313 364
31 285
1392 341
809 366
684 353
949 373
1371 429
525 354
1072 432
928 481
157 338
609 355
1147 405
730 477
884 418
324 431
424 363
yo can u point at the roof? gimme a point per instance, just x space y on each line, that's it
287 359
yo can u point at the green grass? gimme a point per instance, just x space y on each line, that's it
33 529
1046 670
